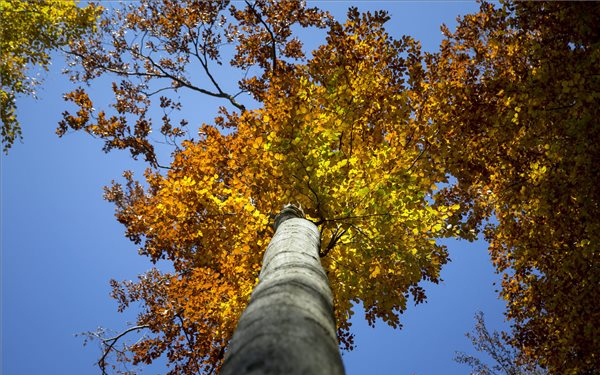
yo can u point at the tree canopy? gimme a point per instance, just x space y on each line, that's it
386 149
335 133
29 32
514 93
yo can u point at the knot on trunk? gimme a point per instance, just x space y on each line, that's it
289 211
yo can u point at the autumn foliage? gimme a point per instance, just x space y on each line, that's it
514 92
385 148
334 135
29 32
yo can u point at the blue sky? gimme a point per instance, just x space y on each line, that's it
61 244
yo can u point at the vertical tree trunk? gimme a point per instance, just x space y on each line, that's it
288 326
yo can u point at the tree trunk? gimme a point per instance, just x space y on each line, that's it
288 326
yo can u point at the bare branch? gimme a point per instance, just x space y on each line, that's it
109 344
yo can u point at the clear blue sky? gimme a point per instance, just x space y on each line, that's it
61 244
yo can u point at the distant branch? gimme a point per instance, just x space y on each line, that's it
109 344
273 42
203 60
161 73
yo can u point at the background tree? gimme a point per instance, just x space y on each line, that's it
29 32
515 95
506 358
335 134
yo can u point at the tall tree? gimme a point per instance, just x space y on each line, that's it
29 32
288 326
335 134
514 95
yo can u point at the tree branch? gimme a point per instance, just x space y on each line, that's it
273 42
109 344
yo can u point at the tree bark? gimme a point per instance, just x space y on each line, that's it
288 326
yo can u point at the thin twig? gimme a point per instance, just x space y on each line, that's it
113 340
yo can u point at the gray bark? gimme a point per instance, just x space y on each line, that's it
288 326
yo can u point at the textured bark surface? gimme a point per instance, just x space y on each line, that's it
288 326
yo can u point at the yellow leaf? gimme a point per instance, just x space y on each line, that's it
376 271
